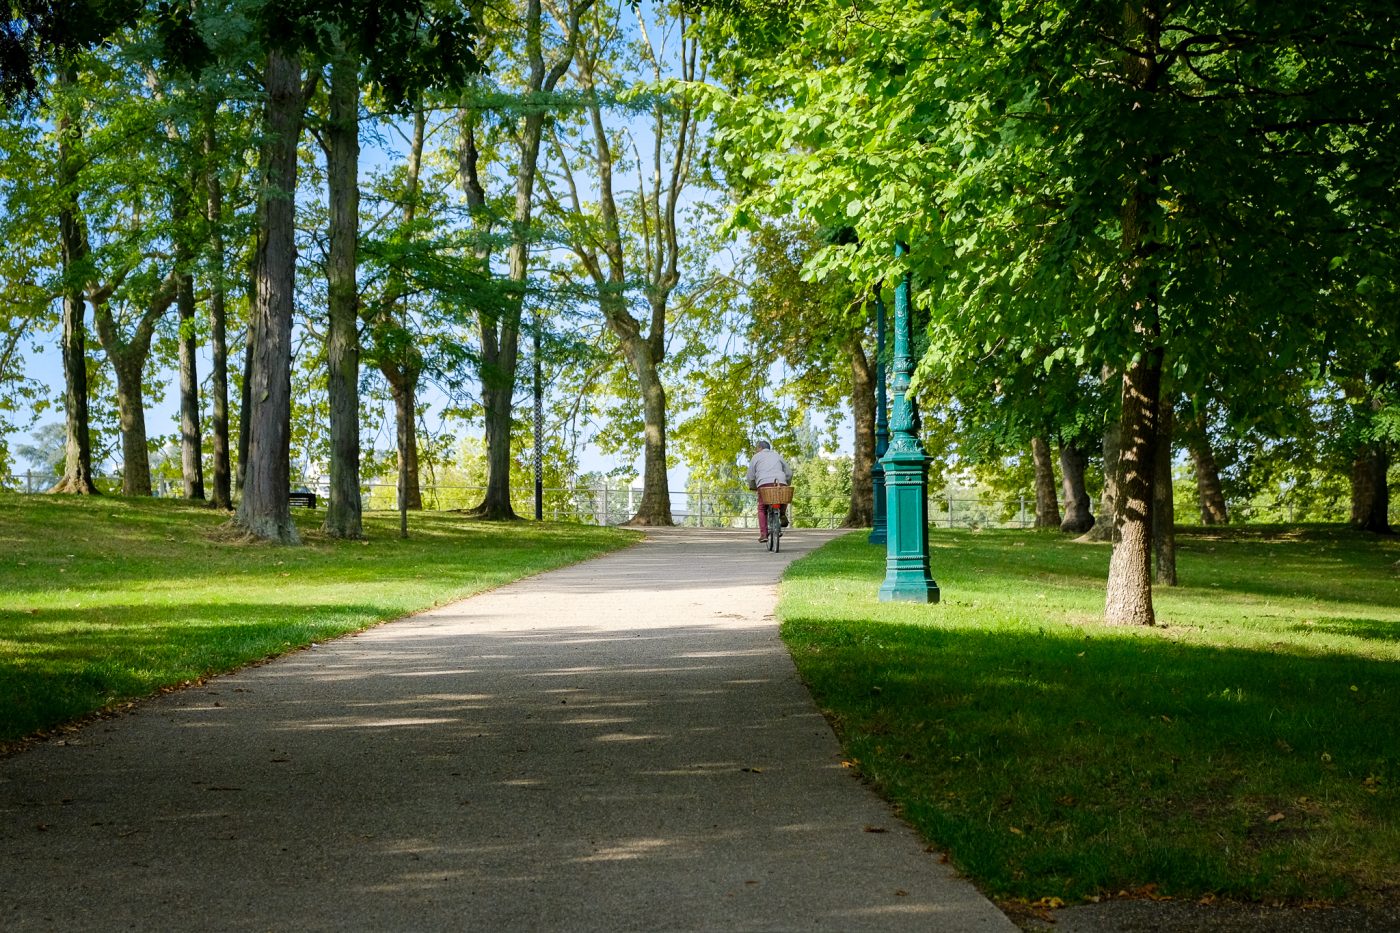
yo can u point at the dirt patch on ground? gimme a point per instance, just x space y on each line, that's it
1148 916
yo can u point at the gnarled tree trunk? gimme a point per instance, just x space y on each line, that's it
128 357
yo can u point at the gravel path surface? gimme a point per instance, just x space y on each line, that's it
619 745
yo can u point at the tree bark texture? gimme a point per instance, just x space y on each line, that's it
131 416
1105 529
1208 488
1163 500
128 356
77 458
404 389
218 316
191 435
343 508
1078 517
1047 507
655 507
245 407
861 513
264 510
1129 596
1370 490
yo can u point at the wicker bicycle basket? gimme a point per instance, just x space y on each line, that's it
774 495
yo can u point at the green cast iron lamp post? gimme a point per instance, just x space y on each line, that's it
907 577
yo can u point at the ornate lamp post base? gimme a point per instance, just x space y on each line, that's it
907 576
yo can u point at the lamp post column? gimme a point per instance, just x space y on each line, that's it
882 430
539 425
907 577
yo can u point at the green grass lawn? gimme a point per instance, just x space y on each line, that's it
1248 747
107 599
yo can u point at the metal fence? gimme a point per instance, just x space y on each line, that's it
607 504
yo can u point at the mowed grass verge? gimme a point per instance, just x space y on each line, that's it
107 599
1248 748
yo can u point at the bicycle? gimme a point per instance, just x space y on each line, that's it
772 499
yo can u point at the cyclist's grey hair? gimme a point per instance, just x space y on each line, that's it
764 445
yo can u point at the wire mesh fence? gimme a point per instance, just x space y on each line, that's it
614 504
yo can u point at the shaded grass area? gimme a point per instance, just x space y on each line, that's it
1249 747
103 600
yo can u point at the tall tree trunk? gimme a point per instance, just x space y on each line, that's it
191 435
1047 508
77 458
1078 517
603 253
403 385
1128 599
343 511
500 329
1129 596
131 415
77 448
655 507
1106 528
861 513
496 400
264 510
218 313
1208 488
245 408
1163 499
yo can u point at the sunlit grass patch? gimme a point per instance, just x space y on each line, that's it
1247 747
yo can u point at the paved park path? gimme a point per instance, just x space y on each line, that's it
619 745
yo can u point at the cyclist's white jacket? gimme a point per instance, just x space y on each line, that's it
768 466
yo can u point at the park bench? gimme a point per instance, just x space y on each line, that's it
304 499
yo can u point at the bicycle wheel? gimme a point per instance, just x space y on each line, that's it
775 528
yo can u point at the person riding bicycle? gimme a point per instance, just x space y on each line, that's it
768 468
